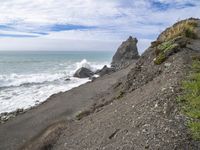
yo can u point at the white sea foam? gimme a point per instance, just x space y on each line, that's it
26 97
27 90
18 80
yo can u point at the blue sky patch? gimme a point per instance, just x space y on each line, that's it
5 27
160 6
17 35
43 30
40 33
66 27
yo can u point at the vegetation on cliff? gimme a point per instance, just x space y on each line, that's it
184 28
191 98
171 40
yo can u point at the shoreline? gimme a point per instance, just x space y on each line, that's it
58 107
6 116
26 102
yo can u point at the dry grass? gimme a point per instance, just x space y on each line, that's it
185 29
173 39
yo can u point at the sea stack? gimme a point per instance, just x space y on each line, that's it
126 54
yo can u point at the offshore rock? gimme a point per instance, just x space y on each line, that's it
126 54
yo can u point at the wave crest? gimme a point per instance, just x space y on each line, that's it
13 80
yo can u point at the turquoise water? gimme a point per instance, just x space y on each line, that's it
29 78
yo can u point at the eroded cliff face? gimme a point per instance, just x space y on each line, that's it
141 110
144 113
126 54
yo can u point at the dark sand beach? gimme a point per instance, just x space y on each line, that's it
58 108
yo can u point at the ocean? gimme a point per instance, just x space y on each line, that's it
29 78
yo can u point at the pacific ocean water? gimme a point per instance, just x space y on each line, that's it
28 78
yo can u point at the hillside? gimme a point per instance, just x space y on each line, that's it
141 107
145 114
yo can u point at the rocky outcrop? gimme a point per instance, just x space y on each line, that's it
83 73
126 54
105 70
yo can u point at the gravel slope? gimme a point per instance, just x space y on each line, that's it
144 118
59 107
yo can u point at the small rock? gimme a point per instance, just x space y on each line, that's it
156 105
68 79
146 146
83 73
92 78
167 64
163 89
19 111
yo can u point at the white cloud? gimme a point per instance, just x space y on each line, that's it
115 21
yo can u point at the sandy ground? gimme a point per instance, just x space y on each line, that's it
59 107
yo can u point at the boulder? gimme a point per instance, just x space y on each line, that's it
126 54
105 70
83 73
67 79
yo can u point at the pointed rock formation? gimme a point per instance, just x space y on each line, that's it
126 54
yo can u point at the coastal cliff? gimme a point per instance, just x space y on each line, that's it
145 112
145 105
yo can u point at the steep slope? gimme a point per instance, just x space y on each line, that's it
141 111
58 108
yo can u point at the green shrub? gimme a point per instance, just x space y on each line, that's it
165 45
191 99
164 50
160 59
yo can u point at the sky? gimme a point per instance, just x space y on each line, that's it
74 25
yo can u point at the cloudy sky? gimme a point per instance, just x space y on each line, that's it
87 24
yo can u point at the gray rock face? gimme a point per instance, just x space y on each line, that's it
83 73
126 54
105 70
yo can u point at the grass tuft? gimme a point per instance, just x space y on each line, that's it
185 29
160 59
195 128
174 38
164 50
